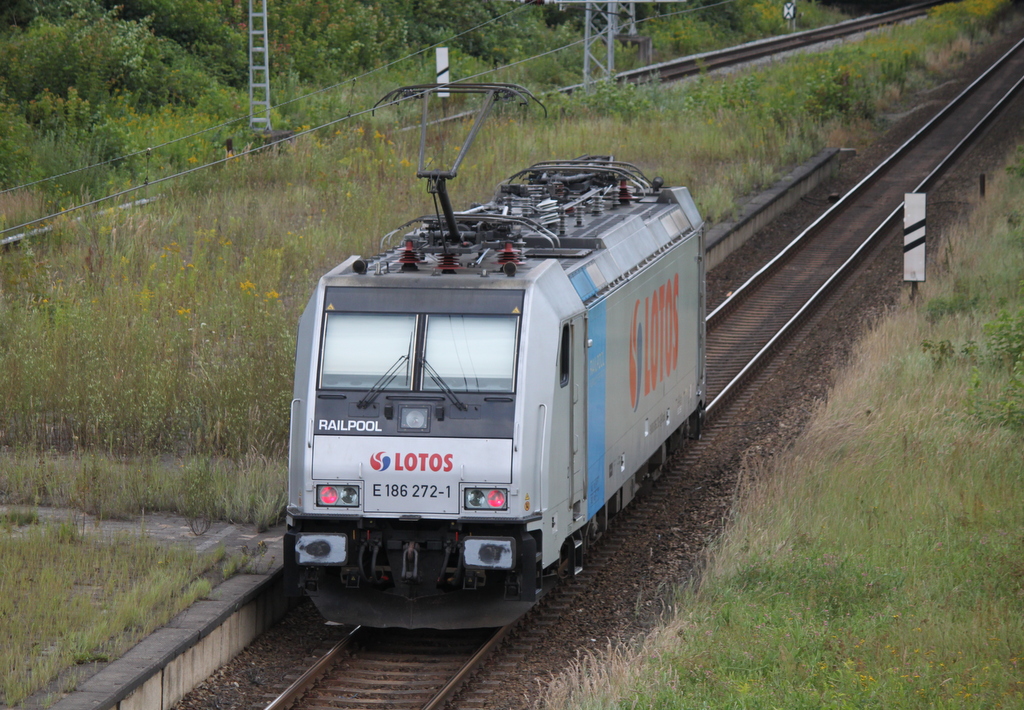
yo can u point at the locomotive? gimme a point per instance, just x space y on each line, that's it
473 404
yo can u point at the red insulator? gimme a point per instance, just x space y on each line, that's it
448 262
409 258
624 195
509 255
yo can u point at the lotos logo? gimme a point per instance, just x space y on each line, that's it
413 462
380 462
653 340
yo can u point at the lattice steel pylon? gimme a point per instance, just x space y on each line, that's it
601 25
605 22
259 67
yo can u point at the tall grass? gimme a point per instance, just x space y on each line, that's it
66 598
249 490
877 563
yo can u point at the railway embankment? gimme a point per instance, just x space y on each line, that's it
873 560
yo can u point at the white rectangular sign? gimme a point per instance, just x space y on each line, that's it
443 73
913 236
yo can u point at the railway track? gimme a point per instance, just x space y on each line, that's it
756 318
394 668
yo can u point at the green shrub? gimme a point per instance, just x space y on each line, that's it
16 162
1006 338
625 100
98 56
942 306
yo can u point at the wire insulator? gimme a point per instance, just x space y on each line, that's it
624 194
410 257
509 255
448 263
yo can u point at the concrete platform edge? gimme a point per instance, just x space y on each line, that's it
158 671
726 237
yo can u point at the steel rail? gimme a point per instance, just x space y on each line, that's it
471 665
311 676
743 291
889 223
293 694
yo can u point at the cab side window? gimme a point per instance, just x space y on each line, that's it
564 354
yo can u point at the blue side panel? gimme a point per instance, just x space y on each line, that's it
597 328
583 284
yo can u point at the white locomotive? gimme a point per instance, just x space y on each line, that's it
473 404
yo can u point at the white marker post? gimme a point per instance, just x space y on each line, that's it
789 14
914 207
443 75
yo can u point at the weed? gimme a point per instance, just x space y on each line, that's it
942 306
943 351
16 517
1006 338
70 597
197 505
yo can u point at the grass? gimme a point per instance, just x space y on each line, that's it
877 563
68 597
250 490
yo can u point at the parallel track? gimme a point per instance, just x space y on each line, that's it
754 319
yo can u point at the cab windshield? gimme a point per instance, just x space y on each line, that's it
470 353
361 348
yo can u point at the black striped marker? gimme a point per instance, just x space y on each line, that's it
914 204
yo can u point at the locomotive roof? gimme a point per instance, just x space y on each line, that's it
599 218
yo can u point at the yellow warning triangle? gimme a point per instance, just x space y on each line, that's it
330 306
516 309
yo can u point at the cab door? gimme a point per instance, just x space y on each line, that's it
578 416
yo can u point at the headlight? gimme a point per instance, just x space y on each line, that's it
322 549
486 499
414 418
337 496
489 553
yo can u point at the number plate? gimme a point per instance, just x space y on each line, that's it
410 494
410 490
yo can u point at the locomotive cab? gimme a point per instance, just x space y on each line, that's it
408 482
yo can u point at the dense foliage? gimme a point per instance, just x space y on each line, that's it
87 81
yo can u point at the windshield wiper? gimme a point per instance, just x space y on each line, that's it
381 384
439 381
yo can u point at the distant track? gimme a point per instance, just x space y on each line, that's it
699 63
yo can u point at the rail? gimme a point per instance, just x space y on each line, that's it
320 670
